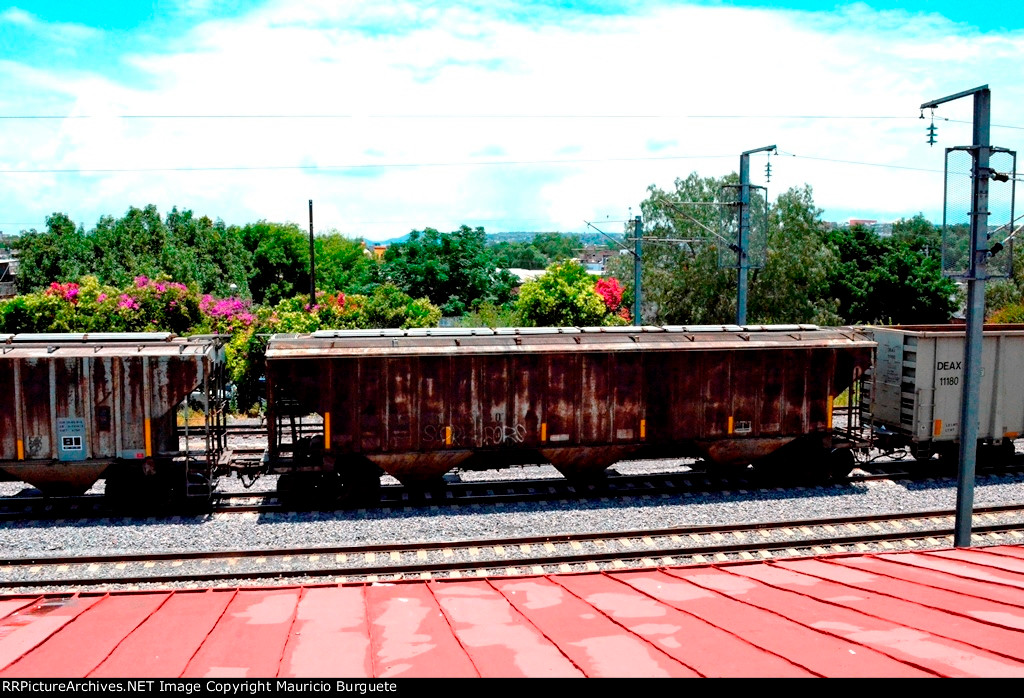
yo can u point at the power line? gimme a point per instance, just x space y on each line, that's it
301 116
236 168
54 117
858 162
961 121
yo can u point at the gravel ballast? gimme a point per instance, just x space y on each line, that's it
111 536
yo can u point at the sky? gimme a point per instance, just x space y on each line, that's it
513 116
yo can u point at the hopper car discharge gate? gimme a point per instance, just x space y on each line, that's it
418 403
75 408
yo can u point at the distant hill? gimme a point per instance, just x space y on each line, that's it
520 236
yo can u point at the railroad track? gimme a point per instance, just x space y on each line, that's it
685 545
672 482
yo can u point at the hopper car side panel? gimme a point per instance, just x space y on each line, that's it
9 411
36 410
101 392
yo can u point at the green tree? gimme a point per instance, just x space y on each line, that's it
456 271
889 280
208 254
342 264
1005 293
279 260
564 296
137 244
795 284
556 246
681 281
60 253
921 232
519 255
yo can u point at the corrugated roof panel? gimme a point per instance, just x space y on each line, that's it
941 613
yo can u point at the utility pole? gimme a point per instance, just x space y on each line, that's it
638 233
743 264
312 261
976 274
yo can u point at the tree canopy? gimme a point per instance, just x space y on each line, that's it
454 270
812 272
893 280
565 295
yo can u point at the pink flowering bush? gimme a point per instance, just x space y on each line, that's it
225 315
145 305
610 291
68 291
154 305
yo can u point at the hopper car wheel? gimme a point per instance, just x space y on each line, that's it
359 481
121 487
987 455
949 457
314 490
129 489
840 463
921 458
997 455
742 471
594 478
802 462
1007 452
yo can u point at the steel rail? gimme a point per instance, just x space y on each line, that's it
625 548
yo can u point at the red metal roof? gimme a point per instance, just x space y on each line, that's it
939 613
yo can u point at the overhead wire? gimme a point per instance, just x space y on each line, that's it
459 163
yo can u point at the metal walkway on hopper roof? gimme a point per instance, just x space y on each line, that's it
947 613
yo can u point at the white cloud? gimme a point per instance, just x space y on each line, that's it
63 32
400 72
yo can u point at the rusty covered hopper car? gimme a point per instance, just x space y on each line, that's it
78 407
417 403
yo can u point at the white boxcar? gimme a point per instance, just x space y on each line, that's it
917 383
